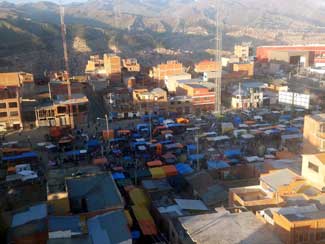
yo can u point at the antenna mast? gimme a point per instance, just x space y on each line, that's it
66 62
218 58
64 41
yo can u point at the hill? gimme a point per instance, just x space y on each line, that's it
30 33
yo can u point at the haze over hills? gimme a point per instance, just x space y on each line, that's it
29 31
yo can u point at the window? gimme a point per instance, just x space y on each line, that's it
61 110
13 113
313 167
3 105
13 105
3 114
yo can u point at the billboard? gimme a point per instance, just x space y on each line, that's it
296 99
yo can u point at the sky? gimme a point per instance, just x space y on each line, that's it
55 1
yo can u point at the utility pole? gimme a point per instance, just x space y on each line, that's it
66 63
218 58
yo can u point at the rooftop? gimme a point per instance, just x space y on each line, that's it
279 178
242 228
318 117
30 214
321 157
300 216
91 193
110 228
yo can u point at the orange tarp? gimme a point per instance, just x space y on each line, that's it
15 150
107 135
154 163
99 161
182 121
250 122
170 170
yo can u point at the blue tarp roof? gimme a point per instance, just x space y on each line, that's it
136 135
184 168
237 120
166 142
142 125
21 156
93 143
292 129
191 147
196 157
232 153
118 176
175 125
117 140
135 234
285 117
217 165
116 151
75 152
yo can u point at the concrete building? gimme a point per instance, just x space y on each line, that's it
63 112
300 227
131 65
207 66
109 66
112 65
248 95
248 67
272 191
314 134
306 55
313 169
224 227
171 81
202 93
10 108
243 51
16 79
161 71
145 96
59 89
95 65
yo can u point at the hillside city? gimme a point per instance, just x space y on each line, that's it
222 150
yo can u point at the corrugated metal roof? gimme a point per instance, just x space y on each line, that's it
109 228
98 191
35 212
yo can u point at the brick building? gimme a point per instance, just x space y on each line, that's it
63 113
10 108
310 55
207 66
201 93
112 65
161 71
131 65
